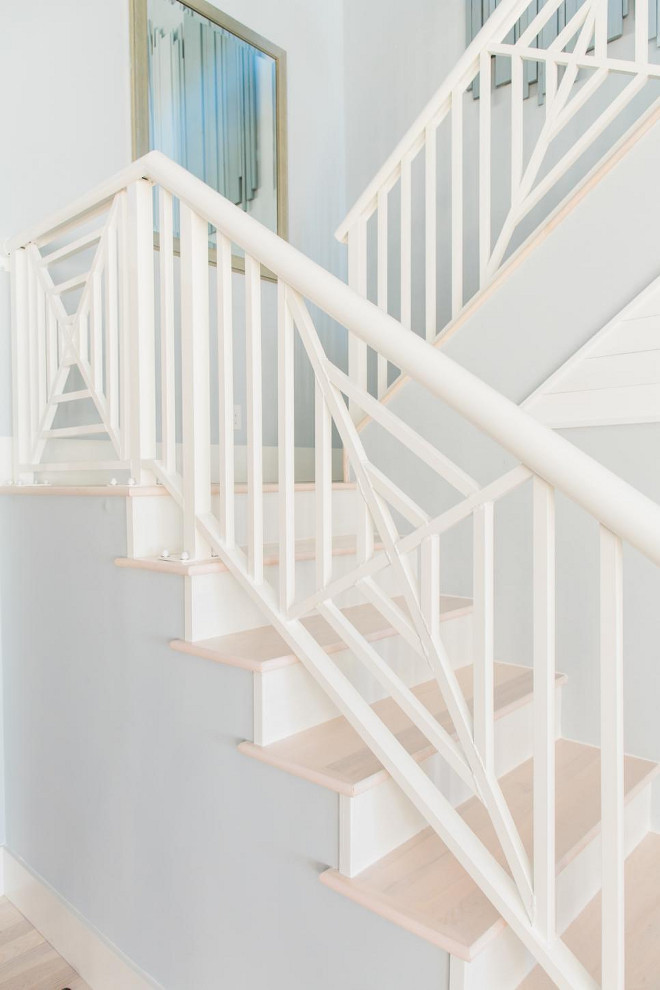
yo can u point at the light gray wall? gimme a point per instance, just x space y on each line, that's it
126 793
396 56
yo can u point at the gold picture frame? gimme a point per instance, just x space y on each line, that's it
141 138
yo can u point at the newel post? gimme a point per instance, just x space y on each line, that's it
21 452
140 332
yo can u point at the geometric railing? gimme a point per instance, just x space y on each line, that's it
165 340
482 166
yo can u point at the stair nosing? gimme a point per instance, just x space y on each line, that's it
202 648
266 754
306 550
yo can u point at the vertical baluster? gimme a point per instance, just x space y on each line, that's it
33 350
485 107
383 258
544 706
430 230
641 32
51 347
167 353
612 761
97 333
601 9
81 336
255 540
41 349
286 450
195 400
406 242
516 126
483 632
112 323
430 584
20 353
226 386
551 70
139 330
125 343
323 487
357 279
456 201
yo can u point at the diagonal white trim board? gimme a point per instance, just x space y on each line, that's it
97 961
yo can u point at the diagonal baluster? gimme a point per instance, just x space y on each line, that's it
433 650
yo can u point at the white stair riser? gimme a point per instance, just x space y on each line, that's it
154 522
288 700
343 514
216 606
379 820
505 962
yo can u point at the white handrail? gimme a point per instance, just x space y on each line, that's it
500 22
620 507
76 210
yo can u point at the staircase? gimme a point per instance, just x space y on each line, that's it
363 602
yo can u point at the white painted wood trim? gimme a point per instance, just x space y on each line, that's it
552 385
98 961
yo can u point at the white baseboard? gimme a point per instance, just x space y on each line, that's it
97 961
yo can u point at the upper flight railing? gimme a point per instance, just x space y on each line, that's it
482 166
164 342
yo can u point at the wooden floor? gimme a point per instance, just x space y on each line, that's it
27 960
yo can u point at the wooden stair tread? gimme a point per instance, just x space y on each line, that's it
342 546
333 754
262 649
642 914
136 491
423 888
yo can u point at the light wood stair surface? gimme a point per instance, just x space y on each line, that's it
333 755
27 960
342 546
136 491
263 649
421 886
642 914
104 491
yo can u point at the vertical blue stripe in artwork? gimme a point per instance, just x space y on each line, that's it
210 135
192 95
614 19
